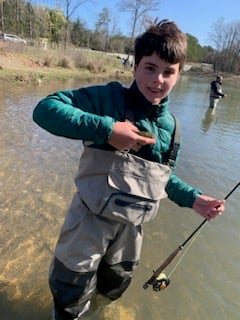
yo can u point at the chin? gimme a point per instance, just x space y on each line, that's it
155 100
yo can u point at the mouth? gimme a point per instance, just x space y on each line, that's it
155 90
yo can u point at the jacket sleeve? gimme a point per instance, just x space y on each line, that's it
73 115
180 192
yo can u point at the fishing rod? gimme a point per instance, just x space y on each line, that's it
159 280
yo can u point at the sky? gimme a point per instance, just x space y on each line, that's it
194 17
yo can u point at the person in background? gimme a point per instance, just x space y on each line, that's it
216 92
123 173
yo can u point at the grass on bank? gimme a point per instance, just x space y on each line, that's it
23 64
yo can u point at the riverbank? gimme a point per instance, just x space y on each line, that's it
24 65
21 65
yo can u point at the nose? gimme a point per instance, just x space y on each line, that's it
158 78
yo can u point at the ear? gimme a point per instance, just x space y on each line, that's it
178 77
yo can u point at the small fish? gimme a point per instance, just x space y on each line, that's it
146 134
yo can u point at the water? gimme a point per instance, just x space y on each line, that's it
36 186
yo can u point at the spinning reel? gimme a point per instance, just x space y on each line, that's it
158 283
161 282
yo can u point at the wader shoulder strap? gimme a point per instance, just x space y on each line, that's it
175 143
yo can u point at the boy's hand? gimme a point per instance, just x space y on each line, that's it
209 208
125 137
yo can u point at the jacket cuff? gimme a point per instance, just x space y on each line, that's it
191 198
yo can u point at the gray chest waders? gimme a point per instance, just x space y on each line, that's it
121 186
94 252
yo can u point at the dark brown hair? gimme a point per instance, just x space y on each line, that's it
165 39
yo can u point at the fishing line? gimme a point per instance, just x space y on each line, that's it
184 253
159 279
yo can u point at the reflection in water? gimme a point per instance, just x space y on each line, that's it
36 186
210 117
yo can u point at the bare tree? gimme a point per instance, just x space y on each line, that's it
30 18
138 10
70 8
19 12
2 15
226 41
103 26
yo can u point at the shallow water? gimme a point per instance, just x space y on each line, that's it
36 186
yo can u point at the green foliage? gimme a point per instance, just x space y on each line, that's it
195 51
56 24
79 34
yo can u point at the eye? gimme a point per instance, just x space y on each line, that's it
150 68
169 72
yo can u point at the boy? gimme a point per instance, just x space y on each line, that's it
122 175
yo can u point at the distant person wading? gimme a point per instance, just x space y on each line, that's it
216 92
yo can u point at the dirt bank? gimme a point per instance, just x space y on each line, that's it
25 67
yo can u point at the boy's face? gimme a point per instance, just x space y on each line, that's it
155 77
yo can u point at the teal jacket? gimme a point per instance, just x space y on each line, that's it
89 114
